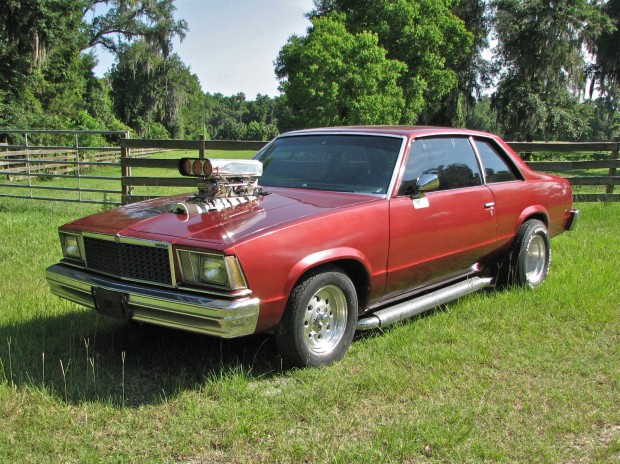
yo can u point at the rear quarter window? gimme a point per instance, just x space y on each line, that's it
496 167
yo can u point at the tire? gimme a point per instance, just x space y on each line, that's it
320 319
529 258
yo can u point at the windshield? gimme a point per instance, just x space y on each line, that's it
341 163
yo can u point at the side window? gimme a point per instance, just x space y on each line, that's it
451 158
496 168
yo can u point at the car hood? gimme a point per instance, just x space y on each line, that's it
155 220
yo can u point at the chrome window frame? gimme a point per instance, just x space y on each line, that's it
395 170
501 153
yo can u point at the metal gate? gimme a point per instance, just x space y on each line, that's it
30 159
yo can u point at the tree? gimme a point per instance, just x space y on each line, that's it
425 35
473 71
128 20
541 64
482 117
38 44
261 109
604 46
605 71
149 88
332 77
46 75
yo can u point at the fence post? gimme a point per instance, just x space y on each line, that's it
28 165
612 171
201 151
125 171
77 166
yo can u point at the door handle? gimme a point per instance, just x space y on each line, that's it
490 204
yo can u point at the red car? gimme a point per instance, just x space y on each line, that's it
324 232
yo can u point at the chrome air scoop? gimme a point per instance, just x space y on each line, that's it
222 183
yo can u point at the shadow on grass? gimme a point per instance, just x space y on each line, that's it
83 357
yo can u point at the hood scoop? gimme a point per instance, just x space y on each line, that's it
222 184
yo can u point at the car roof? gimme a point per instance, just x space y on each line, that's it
407 131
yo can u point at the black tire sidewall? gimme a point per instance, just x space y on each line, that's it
528 231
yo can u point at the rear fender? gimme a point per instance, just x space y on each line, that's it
535 211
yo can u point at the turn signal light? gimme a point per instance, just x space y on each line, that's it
197 167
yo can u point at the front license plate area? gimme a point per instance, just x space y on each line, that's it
111 303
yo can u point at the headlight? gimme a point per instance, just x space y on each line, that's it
71 246
213 270
210 269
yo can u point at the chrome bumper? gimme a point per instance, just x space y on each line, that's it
573 220
177 309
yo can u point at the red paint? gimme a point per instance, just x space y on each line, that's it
398 247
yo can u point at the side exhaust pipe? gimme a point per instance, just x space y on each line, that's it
410 308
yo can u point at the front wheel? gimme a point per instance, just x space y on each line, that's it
319 322
529 258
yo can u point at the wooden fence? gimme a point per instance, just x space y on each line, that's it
128 161
568 169
564 168
29 161
20 164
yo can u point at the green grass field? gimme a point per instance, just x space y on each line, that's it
529 376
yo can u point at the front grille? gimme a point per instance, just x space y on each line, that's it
146 263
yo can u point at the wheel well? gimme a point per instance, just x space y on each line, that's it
355 271
540 216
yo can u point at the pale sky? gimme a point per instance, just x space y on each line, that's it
231 45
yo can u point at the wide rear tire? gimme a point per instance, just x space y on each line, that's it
527 263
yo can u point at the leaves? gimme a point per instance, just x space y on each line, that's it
541 60
333 77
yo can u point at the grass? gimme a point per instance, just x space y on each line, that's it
498 376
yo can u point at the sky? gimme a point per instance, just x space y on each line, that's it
231 45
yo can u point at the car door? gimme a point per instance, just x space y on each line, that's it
442 233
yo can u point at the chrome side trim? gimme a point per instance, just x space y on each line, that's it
410 308
155 305
129 240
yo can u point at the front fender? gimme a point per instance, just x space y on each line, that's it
319 258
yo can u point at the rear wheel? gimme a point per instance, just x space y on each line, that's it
529 258
319 322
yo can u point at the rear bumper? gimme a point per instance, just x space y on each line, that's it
573 219
177 309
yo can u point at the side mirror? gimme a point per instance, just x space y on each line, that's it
426 183
416 189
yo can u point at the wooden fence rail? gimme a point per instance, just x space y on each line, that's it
569 167
32 161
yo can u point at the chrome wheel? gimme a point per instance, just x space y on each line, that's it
325 319
536 260
319 322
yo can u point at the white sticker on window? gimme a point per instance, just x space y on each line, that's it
419 203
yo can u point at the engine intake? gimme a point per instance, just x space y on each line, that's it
222 183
